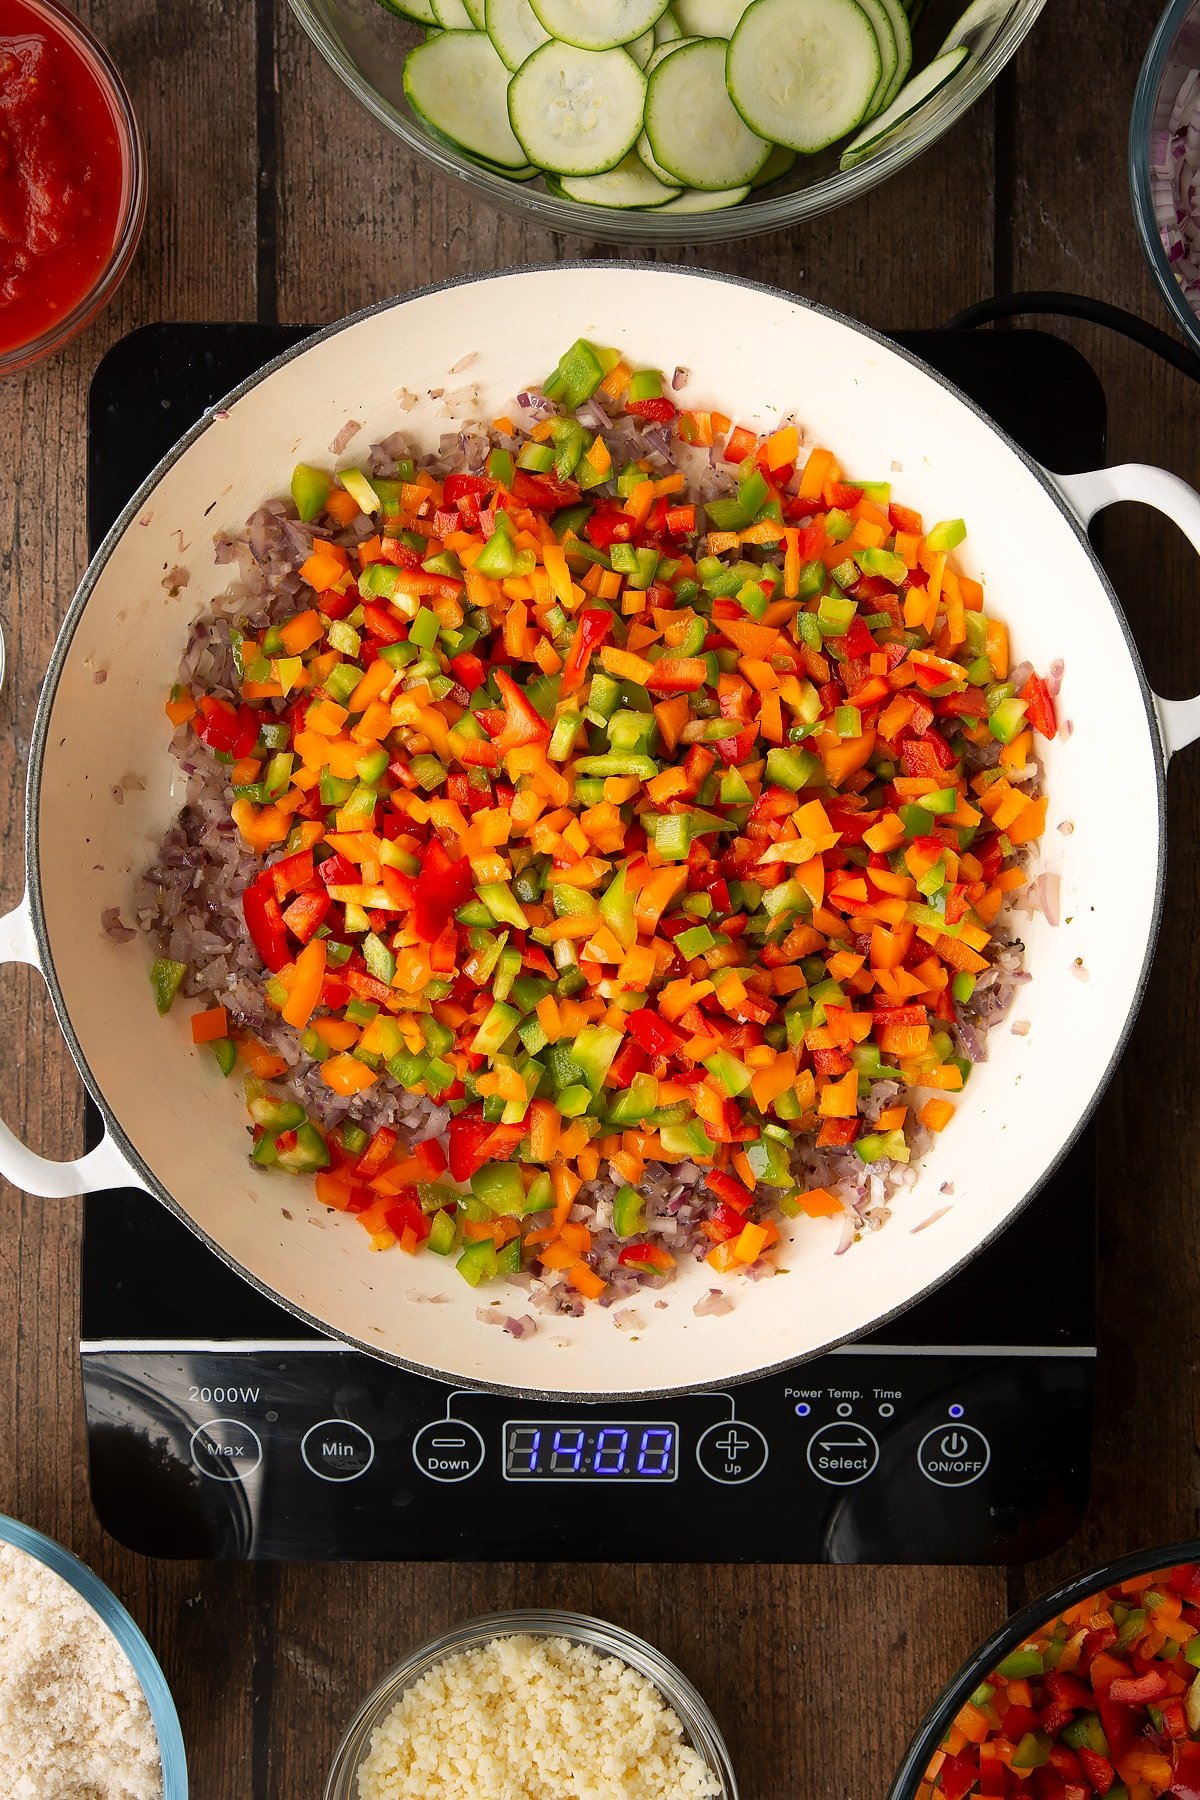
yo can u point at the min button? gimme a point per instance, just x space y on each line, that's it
226 1449
336 1450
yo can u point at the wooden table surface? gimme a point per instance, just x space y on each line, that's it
273 197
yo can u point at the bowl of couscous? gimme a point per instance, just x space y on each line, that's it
548 1704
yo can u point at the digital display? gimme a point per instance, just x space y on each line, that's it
603 1450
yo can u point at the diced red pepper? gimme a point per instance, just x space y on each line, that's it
1039 703
523 723
677 675
957 1777
383 625
408 1215
470 669
646 1256
264 922
658 409
306 912
232 730
376 1153
609 527
740 444
439 894
594 627
542 493
655 1034
457 487
1139 1690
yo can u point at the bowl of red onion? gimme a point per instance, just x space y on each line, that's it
1164 161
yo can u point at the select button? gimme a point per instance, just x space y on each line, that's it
226 1449
336 1450
843 1453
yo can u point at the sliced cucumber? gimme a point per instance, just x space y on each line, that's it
419 11
978 25
912 96
667 29
781 162
458 85
709 18
598 24
452 15
662 50
695 130
576 112
642 48
630 184
699 200
656 169
889 54
515 29
803 72
476 10
904 48
526 172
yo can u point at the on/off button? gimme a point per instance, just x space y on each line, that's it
953 1455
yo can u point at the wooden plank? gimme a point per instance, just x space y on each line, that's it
192 81
1073 229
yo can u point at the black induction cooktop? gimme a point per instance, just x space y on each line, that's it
219 1425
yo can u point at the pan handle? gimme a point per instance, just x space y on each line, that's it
1178 720
103 1167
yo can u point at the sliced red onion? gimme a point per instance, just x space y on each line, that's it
931 1220
1055 675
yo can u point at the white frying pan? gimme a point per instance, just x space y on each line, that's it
174 1130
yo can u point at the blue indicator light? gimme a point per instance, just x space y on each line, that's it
803 1409
956 1412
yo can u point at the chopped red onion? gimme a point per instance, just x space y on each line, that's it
931 1220
1020 1028
712 1304
1175 182
338 443
680 378
1054 677
115 926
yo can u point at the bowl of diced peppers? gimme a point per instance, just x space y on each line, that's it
1089 1691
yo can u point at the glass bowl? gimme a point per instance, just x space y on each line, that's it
108 1608
365 45
63 24
700 1728
981 1662
1174 51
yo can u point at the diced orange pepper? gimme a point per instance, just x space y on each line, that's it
346 1074
210 1025
937 1114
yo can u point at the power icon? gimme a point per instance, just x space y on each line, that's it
953 1455
954 1444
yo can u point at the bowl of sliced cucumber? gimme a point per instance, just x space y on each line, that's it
660 121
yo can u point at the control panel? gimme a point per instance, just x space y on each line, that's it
872 1454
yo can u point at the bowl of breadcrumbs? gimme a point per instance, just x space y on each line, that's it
533 1705
85 1712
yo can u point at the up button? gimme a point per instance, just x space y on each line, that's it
953 1455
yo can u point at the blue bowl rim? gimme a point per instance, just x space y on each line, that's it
108 1608
1006 1637
1140 124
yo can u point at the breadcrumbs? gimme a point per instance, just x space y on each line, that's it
533 1718
74 1723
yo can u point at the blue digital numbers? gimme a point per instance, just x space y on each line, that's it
657 1453
612 1441
564 1450
566 1456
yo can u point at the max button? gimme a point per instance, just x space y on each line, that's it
226 1449
732 1451
953 1455
843 1453
448 1450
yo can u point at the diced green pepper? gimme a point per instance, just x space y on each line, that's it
359 489
478 1262
225 1051
593 1052
500 1188
309 1152
947 535
629 1213
732 1074
1020 1665
310 490
791 769
166 977
1007 718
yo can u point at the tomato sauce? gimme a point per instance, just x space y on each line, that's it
62 174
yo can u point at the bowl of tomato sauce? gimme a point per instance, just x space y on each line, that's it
1092 1690
72 179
